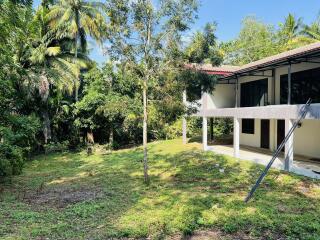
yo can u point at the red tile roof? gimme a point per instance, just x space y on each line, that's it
216 70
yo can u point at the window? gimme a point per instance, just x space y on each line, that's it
248 126
254 93
304 85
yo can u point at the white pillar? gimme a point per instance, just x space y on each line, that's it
204 100
184 130
288 149
184 120
204 121
204 133
236 137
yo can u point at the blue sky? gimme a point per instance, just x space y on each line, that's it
229 13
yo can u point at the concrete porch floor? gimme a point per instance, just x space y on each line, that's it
301 165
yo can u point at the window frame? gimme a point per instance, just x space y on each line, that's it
248 125
304 84
254 93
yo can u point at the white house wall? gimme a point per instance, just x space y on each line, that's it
223 96
306 138
251 139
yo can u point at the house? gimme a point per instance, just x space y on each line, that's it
264 99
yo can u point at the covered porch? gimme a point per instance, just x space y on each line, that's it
301 165
288 160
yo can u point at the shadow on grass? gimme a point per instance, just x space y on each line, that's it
218 140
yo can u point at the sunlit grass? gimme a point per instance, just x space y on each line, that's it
75 196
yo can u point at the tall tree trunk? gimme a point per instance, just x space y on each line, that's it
76 89
90 137
46 126
145 140
90 140
77 20
111 138
145 102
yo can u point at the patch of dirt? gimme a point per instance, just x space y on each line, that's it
177 178
61 197
215 234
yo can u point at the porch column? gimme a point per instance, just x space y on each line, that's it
289 84
288 149
204 121
204 133
237 92
184 120
236 125
236 137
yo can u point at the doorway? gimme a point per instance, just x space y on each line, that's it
280 132
265 133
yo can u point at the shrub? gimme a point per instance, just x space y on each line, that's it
56 147
11 160
17 141
174 130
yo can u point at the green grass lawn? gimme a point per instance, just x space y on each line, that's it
75 196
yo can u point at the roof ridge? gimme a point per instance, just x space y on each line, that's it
282 55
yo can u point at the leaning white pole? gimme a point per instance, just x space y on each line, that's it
184 120
288 149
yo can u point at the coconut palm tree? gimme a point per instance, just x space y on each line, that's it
312 31
76 19
290 32
50 65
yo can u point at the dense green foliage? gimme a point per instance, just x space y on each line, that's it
53 97
257 40
203 47
75 196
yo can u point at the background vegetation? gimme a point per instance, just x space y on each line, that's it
54 98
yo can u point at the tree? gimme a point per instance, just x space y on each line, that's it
50 65
109 104
143 36
312 31
77 19
203 47
290 29
290 34
255 41
17 129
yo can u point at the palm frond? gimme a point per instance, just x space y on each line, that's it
53 51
